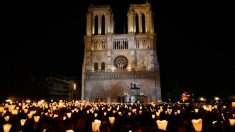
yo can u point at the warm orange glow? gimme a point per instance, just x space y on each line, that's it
197 124
96 125
232 122
7 127
111 120
22 122
162 124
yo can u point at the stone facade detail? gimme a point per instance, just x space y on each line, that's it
113 61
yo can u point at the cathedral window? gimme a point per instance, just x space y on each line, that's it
143 24
96 25
102 66
103 25
96 66
136 23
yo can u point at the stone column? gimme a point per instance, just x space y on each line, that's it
134 22
150 22
107 23
93 24
130 22
147 22
111 24
88 24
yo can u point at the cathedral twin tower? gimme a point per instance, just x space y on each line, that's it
120 67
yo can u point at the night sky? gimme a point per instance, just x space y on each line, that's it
195 43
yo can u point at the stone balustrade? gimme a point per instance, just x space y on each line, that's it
120 75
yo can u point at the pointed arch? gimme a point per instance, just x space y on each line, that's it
96 66
143 24
96 25
136 23
103 66
103 25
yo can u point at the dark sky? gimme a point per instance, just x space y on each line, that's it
195 43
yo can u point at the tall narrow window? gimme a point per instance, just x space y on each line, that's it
96 66
103 25
136 23
143 24
103 66
96 25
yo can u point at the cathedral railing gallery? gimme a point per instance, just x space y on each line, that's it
120 75
121 42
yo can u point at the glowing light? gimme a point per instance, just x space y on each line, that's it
232 122
8 101
197 124
111 120
22 122
217 98
202 99
162 124
233 104
28 101
96 125
7 127
74 86
36 119
7 118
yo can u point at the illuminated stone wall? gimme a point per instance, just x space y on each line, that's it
113 61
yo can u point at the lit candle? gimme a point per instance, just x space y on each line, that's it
175 113
233 104
111 120
69 115
196 110
36 119
232 122
105 113
197 124
22 122
55 115
216 107
153 116
1 109
169 111
7 118
162 124
96 125
158 113
14 112
95 114
30 115
6 127
129 113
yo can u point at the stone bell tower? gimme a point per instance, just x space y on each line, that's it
114 61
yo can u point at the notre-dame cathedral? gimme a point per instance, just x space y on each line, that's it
120 66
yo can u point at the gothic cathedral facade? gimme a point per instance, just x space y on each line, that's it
114 62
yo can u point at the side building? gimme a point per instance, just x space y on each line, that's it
56 87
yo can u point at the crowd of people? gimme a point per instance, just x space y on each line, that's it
82 116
